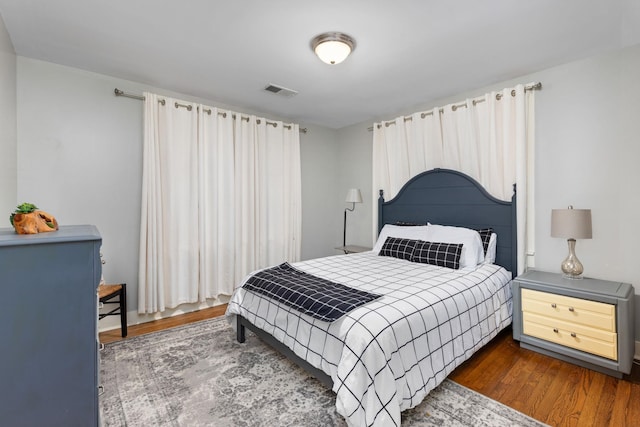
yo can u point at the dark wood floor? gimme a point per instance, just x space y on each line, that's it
552 391
158 325
547 389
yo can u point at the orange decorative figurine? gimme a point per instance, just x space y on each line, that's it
27 219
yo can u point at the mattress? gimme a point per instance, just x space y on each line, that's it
387 355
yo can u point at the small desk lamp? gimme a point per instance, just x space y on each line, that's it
571 224
353 197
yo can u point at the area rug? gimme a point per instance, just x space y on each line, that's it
199 375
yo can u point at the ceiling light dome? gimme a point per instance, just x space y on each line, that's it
333 48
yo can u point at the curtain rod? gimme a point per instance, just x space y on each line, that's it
533 86
118 92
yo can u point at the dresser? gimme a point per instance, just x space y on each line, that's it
588 322
48 327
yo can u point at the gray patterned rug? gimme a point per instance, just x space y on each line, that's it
198 375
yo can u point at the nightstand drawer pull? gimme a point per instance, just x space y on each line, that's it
573 334
571 309
555 330
553 305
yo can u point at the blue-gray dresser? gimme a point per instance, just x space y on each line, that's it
48 327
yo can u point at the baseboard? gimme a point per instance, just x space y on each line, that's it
135 318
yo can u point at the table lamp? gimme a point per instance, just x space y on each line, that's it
571 224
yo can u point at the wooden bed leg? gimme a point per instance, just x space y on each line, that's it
239 329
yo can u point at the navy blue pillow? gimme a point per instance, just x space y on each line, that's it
440 254
398 248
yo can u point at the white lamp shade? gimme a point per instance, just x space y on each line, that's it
571 223
333 52
354 196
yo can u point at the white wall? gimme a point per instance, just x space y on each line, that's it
321 215
588 130
8 138
80 158
355 172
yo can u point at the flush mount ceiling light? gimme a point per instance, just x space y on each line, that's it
333 48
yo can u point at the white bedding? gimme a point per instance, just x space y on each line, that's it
387 355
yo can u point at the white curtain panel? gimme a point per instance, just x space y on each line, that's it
168 271
268 194
221 197
461 139
490 138
403 149
292 193
216 213
247 202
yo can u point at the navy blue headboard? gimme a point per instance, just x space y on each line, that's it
448 197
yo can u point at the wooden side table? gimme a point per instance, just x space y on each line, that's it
353 249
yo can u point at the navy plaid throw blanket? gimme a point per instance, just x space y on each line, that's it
319 298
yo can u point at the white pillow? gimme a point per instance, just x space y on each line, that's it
415 232
490 257
472 250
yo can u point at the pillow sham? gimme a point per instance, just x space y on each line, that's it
398 248
418 232
437 253
472 250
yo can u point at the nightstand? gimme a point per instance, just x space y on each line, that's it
353 249
588 322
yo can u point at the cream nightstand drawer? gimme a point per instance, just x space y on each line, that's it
592 340
585 312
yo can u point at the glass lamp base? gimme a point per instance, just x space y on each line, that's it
572 267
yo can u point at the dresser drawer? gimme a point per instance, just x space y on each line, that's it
590 340
592 314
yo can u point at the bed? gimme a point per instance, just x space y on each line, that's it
385 356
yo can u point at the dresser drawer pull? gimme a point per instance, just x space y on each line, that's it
573 334
555 330
571 309
553 305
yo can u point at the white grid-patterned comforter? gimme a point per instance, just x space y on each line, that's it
386 356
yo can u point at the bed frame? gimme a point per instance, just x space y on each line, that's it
438 196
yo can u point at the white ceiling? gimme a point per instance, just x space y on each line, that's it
408 52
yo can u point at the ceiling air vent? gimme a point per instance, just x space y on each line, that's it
279 90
